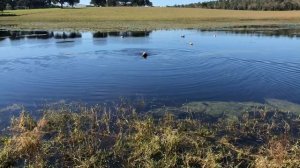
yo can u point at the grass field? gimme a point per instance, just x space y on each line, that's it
142 18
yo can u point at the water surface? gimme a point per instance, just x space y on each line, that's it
93 67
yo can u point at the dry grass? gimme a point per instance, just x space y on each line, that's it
119 137
143 18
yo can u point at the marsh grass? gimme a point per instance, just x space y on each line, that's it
139 18
121 137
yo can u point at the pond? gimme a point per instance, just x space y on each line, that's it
37 67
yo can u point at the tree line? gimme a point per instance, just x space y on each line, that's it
247 4
31 4
121 2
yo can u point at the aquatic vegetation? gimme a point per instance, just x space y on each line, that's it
122 137
216 108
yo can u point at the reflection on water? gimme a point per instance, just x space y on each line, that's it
17 35
262 30
257 30
122 34
100 35
65 35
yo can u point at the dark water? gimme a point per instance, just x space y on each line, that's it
39 67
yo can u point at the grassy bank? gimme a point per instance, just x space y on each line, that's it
142 18
120 137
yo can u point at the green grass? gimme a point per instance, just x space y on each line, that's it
121 137
138 18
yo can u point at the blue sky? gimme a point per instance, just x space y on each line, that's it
158 2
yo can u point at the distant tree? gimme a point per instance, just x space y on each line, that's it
3 4
49 3
28 4
12 4
22 4
38 3
98 2
248 4
141 2
115 2
72 2
61 2
111 2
